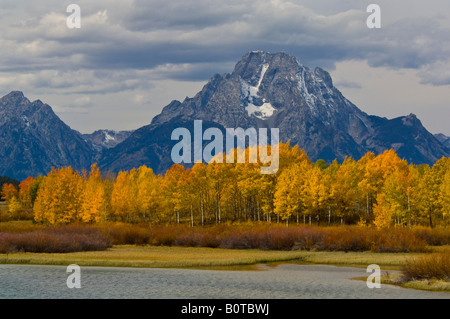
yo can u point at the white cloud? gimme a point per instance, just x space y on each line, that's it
393 93
437 73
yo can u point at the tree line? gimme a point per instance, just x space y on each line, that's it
381 190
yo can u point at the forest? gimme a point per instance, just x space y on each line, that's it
383 191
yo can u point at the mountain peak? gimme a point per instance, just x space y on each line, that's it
15 94
13 98
411 120
33 139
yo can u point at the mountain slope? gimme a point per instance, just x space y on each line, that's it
277 91
445 140
33 139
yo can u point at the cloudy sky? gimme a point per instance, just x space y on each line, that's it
130 58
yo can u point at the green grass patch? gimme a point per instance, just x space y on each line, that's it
156 257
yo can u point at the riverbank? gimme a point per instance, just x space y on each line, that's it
225 259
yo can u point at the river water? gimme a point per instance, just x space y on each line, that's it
289 281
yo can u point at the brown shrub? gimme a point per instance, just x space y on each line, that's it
241 236
435 265
126 234
398 240
62 239
347 239
433 236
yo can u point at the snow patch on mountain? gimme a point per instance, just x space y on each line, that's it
25 119
262 112
251 100
109 137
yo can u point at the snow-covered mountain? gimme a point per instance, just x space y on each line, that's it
264 90
277 91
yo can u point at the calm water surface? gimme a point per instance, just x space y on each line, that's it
285 281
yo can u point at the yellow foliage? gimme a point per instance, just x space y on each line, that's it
382 190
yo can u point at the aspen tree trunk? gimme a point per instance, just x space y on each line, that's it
245 208
192 217
201 208
367 197
329 215
219 209
409 211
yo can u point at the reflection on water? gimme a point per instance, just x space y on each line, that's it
275 282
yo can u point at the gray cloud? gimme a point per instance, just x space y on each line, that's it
129 45
148 34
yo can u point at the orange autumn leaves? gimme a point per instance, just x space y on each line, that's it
382 190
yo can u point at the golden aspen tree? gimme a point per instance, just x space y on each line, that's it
171 192
290 155
395 197
345 189
288 197
200 186
148 188
330 180
383 212
248 183
93 207
59 197
376 169
315 193
189 194
439 171
124 196
445 196
34 188
428 193
25 195
8 192
219 175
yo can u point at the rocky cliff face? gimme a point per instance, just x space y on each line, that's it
277 91
33 139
